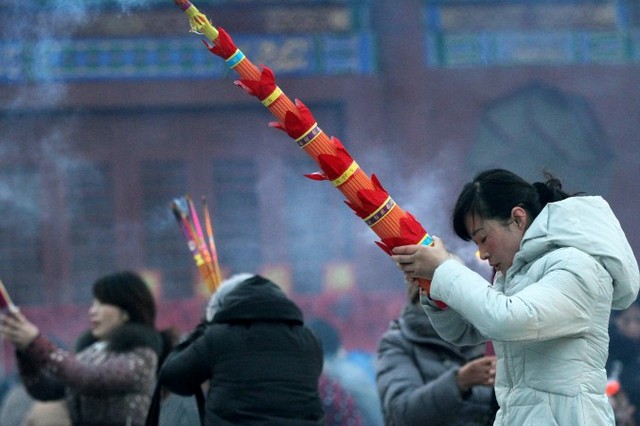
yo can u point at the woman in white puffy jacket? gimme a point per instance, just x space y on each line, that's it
562 264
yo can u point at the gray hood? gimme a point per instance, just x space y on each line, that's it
589 225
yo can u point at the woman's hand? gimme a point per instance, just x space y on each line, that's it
420 261
18 330
481 371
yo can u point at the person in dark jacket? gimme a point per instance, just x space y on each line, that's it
261 362
623 364
424 380
109 381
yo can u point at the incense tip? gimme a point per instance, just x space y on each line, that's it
183 4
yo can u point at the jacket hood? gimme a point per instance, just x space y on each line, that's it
416 325
258 299
587 224
225 288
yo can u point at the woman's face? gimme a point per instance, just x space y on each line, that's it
628 322
497 241
104 318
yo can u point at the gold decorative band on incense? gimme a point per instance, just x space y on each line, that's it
380 212
272 97
346 175
309 136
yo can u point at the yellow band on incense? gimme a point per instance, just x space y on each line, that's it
357 182
346 175
200 23
272 97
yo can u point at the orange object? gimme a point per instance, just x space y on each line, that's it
212 245
613 387
613 381
204 255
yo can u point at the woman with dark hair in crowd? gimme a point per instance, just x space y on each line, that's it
110 379
562 263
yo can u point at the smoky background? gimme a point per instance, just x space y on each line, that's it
110 109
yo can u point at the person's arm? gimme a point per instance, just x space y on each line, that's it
558 304
36 381
406 397
189 365
18 330
457 328
118 372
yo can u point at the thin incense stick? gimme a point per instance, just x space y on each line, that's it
203 250
5 299
212 244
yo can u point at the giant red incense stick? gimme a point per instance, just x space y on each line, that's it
366 196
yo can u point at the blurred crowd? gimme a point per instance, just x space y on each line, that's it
255 359
409 380
123 370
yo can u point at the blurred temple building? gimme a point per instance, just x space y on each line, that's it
110 109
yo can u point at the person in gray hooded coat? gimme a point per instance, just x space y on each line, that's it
562 264
425 380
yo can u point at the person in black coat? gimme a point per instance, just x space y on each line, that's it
261 362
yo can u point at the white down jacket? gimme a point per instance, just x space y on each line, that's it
548 316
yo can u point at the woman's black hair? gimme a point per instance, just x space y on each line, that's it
128 291
493 193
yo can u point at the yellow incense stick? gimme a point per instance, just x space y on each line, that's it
212 244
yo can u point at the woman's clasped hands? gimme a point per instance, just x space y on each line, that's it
420 261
